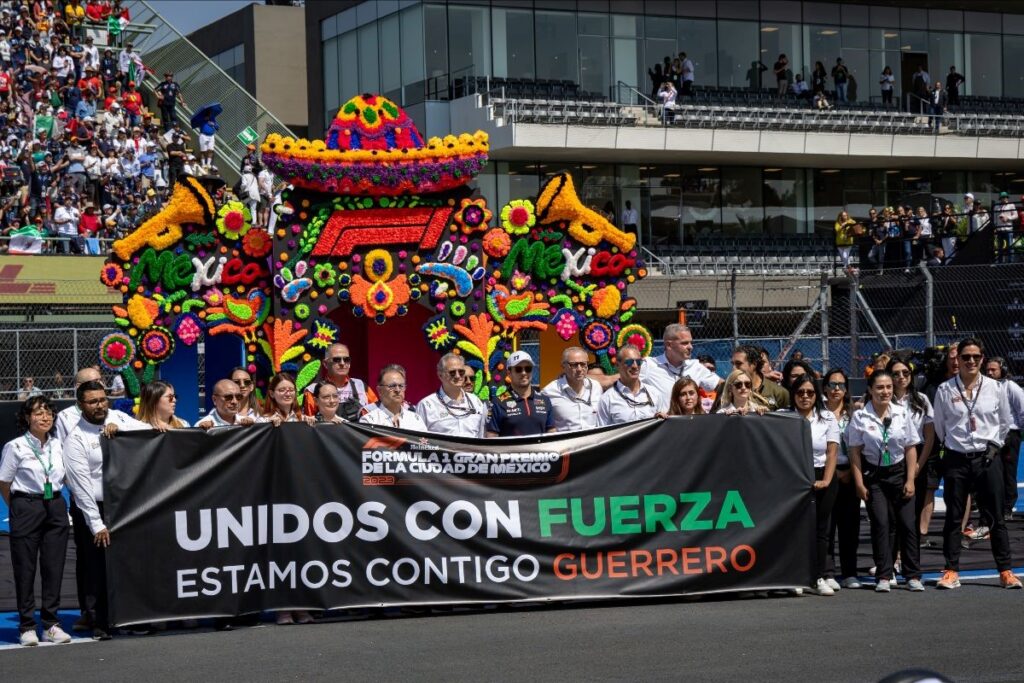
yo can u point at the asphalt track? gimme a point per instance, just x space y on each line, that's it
971 634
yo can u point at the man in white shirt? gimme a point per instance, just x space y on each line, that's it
124 62
91 56
972 419
66 217
687 75
83 460
1003 219
630 218
997 369
391 410
662 371
227 400
451 410
68 418
630 399
574 396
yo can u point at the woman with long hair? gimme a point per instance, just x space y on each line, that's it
685 398
249 406
31 479
739 397
845 518
844 228
805 397
793 369
883 457
157 402
327 402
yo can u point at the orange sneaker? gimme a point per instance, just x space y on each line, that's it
950 579
1008 580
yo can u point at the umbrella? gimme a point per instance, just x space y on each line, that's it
199 116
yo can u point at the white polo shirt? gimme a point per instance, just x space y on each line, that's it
67 420
573 412
919 419
657 372
27 472
619 405
869 432
465 416
953 411
218 421
824 430
377 414
83 460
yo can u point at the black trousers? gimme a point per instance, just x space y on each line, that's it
39 540
1011 453
983 477
845 521
92 571
824 499
889 511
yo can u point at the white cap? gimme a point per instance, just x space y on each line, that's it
969 196
518 358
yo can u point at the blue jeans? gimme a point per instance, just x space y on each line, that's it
877 255
841 92
937 116
908 252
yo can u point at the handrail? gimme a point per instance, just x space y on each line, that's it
623 84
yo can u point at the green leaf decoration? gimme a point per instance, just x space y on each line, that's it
306 376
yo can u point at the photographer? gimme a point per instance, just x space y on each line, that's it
972 418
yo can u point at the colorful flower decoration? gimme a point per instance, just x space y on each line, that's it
519 282
233 219
473 215
566 323
257 243
497 243
301 311
597 335
518 216
142 311
111 275
606 301
324 275
189 328
325 333
439 336
117 350
638 336
157 344
378 265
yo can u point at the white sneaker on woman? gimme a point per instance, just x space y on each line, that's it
822 588
833 584
29 638
851 582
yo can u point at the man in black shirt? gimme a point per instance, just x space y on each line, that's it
953 82
175 160
168 94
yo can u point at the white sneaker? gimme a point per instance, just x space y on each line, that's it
833 584
821 587
893 583
915 586
29 638
798 591
851 582
55 634
882 587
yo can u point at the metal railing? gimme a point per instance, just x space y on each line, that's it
164 48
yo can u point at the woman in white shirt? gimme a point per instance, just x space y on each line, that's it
391 410
845 518
738 396
327 402
31 479
157 402
883 443
805 398
886 82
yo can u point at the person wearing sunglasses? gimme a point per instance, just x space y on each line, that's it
738 397
157 402
845 518
748 359
524 410
353 394
392 410
917 405
227 399
805 398
661 372
631 398
972 419
249 405
574 396
883 442
451 409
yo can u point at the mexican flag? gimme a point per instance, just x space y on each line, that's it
27 240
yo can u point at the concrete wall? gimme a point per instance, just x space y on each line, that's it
280 63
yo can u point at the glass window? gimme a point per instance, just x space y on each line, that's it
780 10
983 65
1013 53
855 15
556 46
332 98
945 20
329 28
701 199
595 64
822 44
627 63
512 32
696 37
879 60
412 54
655 51
516 180
660 27
435 25
785 201
660 199
885 16
627 26
593 24
914 41
232 61
858 84
742 207
469 43
944 50
858 37
348 59
369 72
913 17
740 64
782 39
390 58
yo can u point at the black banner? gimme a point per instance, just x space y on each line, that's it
301 517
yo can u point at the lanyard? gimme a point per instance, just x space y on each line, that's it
629 399
971 424
459 412
886 459
48 465
572 396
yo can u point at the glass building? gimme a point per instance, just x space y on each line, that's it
411 51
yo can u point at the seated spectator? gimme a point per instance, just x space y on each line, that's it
800 89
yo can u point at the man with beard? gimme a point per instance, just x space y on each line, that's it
83 460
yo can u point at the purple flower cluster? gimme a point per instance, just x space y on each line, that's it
424 176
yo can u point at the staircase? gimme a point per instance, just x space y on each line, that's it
164 48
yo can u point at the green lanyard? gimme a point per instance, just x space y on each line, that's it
47 466
886 456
